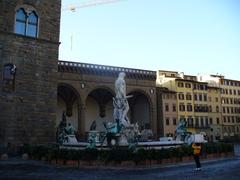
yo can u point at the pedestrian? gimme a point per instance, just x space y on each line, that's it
196 154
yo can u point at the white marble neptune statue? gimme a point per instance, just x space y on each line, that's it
120 102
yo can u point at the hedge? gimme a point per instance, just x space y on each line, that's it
118 154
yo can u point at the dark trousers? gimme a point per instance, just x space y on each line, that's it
197 160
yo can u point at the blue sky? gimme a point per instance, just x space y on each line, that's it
192 36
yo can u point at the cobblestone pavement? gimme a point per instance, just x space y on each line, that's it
215 169
228 168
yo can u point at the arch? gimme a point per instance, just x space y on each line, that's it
68 100
140 108
99 107
100 87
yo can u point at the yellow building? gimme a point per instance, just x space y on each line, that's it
209 103
191 98
201 119
229 104
167 111
185 101
230 99
215 113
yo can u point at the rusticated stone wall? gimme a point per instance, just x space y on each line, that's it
28 113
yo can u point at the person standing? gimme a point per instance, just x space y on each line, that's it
196 155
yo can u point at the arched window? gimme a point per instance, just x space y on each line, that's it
21 20
32 24
26 22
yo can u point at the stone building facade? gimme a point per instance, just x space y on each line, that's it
29 42
85 92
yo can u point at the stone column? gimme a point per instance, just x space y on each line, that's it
81 119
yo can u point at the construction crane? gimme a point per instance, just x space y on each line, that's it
91 3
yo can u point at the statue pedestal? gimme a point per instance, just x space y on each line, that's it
72 139
123 141
94 135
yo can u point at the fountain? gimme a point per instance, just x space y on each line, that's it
120 132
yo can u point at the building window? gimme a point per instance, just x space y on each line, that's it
206 121
210 109
216 99
195 97
194 86
196 121
229 119
209 99
9 72
174 108
223 109
223 100
217 109
181 107
218 121
26 22
226 91
189 107
190 121
210 121
167 121
222 91
21 21
202 122
228 110
188 85
224 119
166 107
233 119
180 84
181 96
174 121
188 96
196 107
205 97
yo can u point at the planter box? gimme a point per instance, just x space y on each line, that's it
127 163
61 162
211 156
230 154
155 162
144 163
72 163
166 161
187 158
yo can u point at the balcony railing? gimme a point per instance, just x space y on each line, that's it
85 68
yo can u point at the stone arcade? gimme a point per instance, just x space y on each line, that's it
35 87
